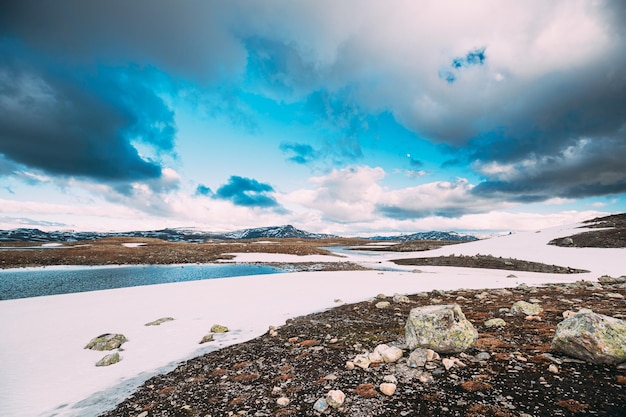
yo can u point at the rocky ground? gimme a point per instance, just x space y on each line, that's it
510 371
612 235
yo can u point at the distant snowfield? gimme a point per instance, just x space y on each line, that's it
45 371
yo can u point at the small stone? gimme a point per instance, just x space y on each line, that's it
282 401
383 304
107 341
387 388
218 328
553 369
526 309
160 321
392 354
143 414
400 298
350 365
425 377
335 398
293 339
391 379
109 359
614 295
447 363
482 356
362 361
495 323
320 405
277 390
417 358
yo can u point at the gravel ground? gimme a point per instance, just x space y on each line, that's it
287 372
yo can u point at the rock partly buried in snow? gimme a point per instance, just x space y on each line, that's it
442 328
160 321
206 338
109 359
218 328
593 337
107 341
526 309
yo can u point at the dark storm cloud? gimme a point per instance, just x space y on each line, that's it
247 192
183 38
80 122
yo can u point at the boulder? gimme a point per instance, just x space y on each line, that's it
107 341
592 337
442 328
525 308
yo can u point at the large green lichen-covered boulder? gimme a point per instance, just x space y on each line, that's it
107 341
592 337
442 328
525 308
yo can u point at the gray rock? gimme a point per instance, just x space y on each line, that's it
593 337
568 241
417 358
383 304
320 405
109 359
107 341
526 309
207 338
442 328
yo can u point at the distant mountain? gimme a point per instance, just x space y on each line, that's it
432 235
287 231
170 235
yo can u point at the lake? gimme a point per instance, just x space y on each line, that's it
36 282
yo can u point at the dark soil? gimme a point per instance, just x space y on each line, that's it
410 246
613 235
308 355
489 262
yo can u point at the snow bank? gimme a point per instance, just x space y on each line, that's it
45 370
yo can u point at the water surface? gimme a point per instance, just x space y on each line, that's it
35 282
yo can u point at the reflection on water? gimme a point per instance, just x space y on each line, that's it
35 282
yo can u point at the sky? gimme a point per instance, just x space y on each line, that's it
345 117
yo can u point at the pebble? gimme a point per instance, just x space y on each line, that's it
495 323
383 304
553 369
320 405
388 388
391 379
362 361
283 401
350 365
335 398
447 363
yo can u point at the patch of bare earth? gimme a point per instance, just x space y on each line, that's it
308 355
489 262
111 251
611 235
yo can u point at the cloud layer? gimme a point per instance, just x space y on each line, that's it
526 97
